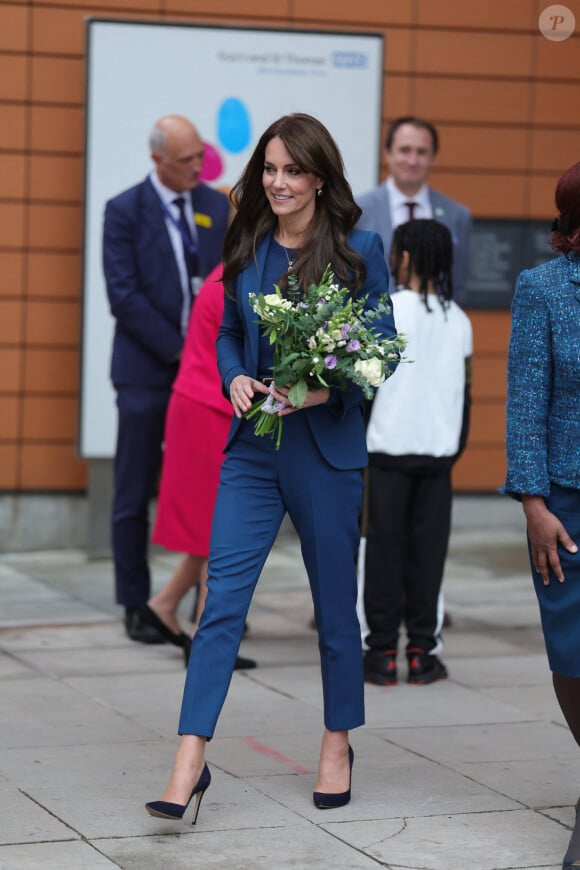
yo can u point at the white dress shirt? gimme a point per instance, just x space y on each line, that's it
168 198
398 200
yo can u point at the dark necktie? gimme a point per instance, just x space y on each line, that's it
411 207
189 254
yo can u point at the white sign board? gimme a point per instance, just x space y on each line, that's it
232 83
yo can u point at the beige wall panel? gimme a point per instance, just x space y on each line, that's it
398 49
9 418
482 54
13 126
13 176
375 12
468 100
480 469
542 196
493 14
12 224
555 150
559 60
486 194
54 274
51 371
48 418
11 272
398 93
10 369
52 466
57 178
9 465
491 331
53 323
57 128
556 103
482 147
57 80
488 421
10 321
55 226
87 8
489 378
13 28
13 77
58 31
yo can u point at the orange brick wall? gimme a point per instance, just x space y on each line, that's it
504 98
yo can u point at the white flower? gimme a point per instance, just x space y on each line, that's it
311 342
371 370
274 301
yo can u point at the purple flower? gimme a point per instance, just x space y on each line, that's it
353 345
344 330
330 361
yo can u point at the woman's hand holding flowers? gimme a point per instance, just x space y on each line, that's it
242 391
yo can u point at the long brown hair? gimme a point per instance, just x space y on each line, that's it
314 150
565 236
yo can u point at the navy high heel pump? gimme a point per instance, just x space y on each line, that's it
167 810
331 801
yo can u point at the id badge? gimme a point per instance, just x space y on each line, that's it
196 283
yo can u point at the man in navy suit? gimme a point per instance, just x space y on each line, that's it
160 239
411 147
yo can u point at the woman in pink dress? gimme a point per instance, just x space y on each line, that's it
196 427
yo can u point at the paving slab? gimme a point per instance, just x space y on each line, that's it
478 772
515 840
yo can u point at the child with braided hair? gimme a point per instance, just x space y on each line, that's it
417 429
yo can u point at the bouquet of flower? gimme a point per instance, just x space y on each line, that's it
322 338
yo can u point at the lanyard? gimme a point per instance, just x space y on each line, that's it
185 237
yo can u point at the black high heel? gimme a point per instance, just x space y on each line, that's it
149 616
168 810
330 801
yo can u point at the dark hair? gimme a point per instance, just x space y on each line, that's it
565 235
314 150
415 122
430 248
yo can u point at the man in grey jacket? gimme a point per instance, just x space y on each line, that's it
411 147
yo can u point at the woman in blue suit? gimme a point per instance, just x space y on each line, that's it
295 214
543 447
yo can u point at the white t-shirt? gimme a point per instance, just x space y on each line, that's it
419 409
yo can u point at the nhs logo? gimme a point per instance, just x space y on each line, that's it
350 59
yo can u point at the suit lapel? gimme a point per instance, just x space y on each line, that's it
251 282
153 218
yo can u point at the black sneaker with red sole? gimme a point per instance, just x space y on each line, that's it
380 667
424 668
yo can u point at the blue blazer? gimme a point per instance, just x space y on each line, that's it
338 427
543 402
143 282
456 217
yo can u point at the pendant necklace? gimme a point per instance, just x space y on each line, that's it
293 289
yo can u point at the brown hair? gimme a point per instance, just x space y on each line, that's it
565 235
314 150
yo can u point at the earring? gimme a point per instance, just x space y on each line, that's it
319 192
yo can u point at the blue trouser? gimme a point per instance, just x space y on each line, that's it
257 486
137 465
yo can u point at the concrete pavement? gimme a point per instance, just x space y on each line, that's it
477 772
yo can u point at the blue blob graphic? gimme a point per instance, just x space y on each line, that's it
233 125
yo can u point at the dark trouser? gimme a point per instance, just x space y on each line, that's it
137 465
408 526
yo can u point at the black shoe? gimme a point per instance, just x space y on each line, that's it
331 801
380 667
167 810
424 668
137 629
241 664
149 617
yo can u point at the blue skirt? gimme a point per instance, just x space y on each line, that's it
560 602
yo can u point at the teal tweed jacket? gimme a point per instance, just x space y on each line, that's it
543 401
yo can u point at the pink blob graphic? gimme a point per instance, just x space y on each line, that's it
212 164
